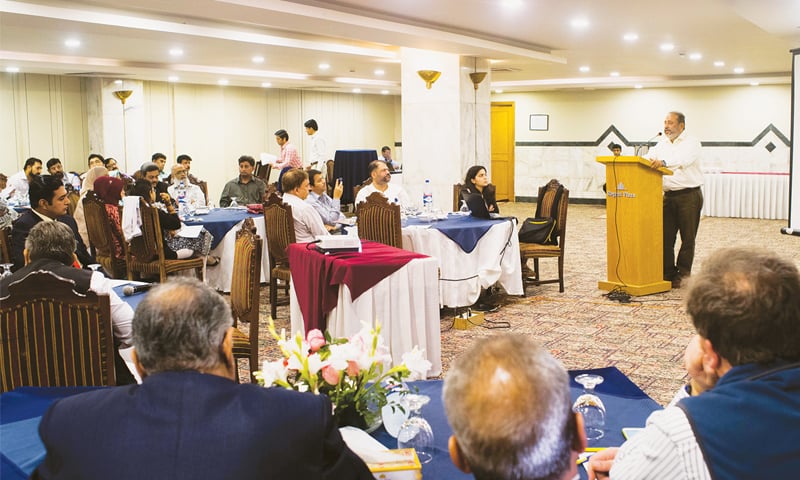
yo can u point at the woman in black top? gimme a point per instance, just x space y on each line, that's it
479 193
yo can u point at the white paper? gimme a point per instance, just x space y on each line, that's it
267 158
366 447
190 231
125 353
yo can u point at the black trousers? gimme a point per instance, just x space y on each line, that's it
681 214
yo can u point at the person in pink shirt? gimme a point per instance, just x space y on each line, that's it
289 158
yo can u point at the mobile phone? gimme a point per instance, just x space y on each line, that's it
629 432
339 180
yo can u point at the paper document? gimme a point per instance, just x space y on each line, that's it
190 231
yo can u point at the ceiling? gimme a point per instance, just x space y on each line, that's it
531 44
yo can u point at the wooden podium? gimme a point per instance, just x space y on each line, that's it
634 205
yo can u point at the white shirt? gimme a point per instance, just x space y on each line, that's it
394 193
329 209
683 158
307 222
17 186
194 195
319 153
121 312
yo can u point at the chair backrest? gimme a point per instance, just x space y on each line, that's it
5 245
53 336
457 196
358 188
279 225
246 283
73 196
547 196
97 224
204 188
262 171
149 246
379 220
329 176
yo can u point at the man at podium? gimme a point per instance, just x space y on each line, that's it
683 199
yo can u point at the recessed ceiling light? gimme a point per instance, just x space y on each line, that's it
498 90
719 63
384 92
266 84
511 3
667 47
579 23
12 69
738 70
754 84
356 90
379 72
695 56
324 66
637 86
176 52
118 82
630 37
584 68
614 74
72 43
258 59
222 81
173 78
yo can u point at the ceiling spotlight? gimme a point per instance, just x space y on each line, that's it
695 56
754 84
637 86
118 82
384 92
72 43
258 59
738 70
584 68
176 52
614 74
498 90
719 63
266 84
12 69
379 72
356 90
579 23
173 78
511 3
223 81
667 47
324 66
630 37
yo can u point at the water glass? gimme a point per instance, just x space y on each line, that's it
416 432
590 406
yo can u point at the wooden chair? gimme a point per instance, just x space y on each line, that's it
145 254
457 196
53 336
5 245
101 236
245 293
379 221
263 171
279 224
547 194
329 176
204 188
358 188
73 197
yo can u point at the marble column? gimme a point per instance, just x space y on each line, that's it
446 128
117 130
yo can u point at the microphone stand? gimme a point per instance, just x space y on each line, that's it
639 147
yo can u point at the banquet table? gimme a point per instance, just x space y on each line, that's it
351 167
223 223
21 449
746 195
473 253
382 284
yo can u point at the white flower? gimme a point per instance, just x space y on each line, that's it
339 356
416 363
272 371
315 364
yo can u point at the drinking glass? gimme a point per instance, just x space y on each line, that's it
590 406
416 432
464 208
233 202
6 269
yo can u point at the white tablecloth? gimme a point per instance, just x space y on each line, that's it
406 303
494 259
746 195
220 276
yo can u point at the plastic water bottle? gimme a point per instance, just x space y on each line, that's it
427 196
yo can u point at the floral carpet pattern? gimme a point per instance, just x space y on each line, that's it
645 338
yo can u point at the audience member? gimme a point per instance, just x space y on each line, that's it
93 160
89 177
189 418
7 215
744 362
161 161
49 202
511 413
289 158
186 162
181 185
478 193
18 183
246 188
381 176
110 191
152 173
386 156
70 180
329 209
683 199
307 222
319 152
616 149
50 246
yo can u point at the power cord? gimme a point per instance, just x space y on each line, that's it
618 294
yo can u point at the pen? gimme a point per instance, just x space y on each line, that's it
594 449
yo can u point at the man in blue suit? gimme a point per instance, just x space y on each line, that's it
189 419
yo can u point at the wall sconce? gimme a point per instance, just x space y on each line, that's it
430 76
123 95
477 78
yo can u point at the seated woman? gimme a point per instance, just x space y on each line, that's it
88 183
109 190
479 193
175 247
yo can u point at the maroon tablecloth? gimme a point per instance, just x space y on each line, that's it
317 277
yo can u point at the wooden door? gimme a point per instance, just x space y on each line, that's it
502 174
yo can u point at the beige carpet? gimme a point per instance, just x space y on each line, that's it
645 338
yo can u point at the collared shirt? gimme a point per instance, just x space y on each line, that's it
394 165
194 195
319 153
17 186
394 193
121 312
328 208
289 157
307 222
245 193
682 157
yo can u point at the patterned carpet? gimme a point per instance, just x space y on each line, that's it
645 339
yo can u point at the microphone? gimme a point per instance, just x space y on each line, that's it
639 148
129 290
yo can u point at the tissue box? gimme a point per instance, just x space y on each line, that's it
406 467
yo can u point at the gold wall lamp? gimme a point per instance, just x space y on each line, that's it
429 76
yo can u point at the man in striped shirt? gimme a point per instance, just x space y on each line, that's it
742 416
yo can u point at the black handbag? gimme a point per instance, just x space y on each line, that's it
538 230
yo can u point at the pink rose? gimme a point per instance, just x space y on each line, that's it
352 368
315 339
330 374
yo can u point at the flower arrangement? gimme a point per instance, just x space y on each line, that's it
353 372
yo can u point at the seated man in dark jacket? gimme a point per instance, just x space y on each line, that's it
189 419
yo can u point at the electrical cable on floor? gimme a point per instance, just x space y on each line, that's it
618 294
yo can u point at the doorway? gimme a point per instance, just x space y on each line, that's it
502 174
